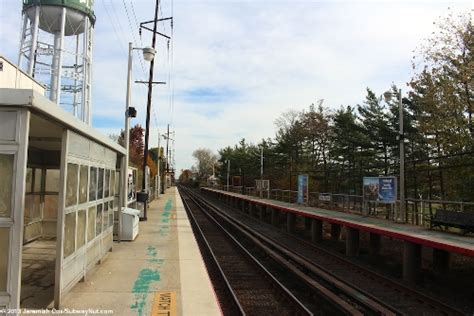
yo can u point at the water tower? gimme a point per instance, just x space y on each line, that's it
56 49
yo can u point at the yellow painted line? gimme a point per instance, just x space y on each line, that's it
164 304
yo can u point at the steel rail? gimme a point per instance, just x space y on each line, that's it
327 285
231 298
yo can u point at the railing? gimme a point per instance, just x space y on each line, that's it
420 211
251 191
284 195
344 202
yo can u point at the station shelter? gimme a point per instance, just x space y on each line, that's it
60 183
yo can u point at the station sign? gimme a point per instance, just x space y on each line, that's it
380 189
325 197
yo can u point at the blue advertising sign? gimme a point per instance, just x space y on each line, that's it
380 189
302 189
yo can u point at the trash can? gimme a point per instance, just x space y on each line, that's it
130 221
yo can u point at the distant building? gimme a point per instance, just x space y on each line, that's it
213 181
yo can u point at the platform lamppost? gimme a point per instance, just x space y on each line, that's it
148 55
401 138
261 171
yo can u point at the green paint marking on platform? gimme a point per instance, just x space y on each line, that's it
141 289
151 251
165 217
147 276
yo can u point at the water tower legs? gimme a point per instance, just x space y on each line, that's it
57 60
86 115
34 41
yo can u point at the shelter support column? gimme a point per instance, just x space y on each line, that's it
441 260
253 209
262 209
335 231
411 261
375 244
316 230
307 223
239 204
275 217
352 241
290 222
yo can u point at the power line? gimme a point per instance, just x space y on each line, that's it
136 20
133 35
115 30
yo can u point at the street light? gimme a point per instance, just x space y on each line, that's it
148 55
388 96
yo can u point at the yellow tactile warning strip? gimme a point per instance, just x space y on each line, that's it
164 304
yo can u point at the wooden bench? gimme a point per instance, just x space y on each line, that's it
447 218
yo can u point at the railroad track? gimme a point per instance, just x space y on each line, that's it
402 298
342 297
242 284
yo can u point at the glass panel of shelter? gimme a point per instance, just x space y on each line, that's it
92 188
41 197
7 169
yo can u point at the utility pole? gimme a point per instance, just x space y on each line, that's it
150 91
167 153
148 106
261 171
402 159
158 162
228 173
401 138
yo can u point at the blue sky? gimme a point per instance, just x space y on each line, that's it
239 64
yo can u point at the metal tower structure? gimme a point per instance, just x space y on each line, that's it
56 49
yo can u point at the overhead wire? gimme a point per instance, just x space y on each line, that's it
123 49
136 44
122 40
133 35
119 29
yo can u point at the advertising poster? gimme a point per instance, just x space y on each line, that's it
302 189
131 184
380 189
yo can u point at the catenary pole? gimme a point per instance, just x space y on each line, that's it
148 106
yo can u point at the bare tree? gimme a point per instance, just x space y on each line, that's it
205 161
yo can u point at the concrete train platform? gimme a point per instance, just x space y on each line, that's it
160 273
413 237
418 234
